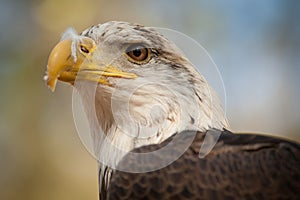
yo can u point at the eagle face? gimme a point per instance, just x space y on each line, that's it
146 89
117 50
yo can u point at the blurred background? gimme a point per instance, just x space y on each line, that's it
255 44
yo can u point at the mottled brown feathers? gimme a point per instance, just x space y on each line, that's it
240 166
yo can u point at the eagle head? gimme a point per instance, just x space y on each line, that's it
137 87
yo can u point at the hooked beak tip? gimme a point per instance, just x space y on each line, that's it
50 82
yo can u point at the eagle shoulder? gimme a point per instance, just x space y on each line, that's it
240 166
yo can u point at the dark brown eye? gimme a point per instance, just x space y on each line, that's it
138 53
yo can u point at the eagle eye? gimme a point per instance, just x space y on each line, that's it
138 54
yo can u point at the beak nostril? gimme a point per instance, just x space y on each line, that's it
84 49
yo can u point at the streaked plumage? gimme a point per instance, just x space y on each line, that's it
239 166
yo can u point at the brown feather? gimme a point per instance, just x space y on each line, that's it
240 166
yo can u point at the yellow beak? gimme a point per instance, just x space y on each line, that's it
62 65
59 60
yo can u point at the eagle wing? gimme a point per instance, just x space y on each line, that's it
240 166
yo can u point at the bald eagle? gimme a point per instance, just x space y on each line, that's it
158 129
